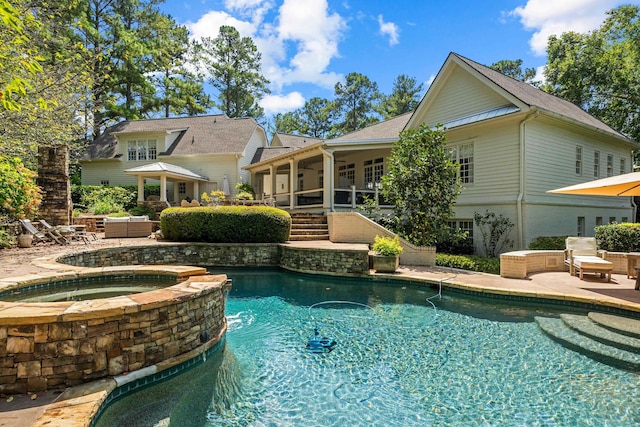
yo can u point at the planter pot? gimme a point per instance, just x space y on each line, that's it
25 240
385 263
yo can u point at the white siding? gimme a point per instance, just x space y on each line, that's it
257 140
461 95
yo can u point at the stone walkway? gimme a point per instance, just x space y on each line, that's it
26 410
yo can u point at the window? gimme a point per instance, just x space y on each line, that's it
373 170
580 230
141 150
347 175
463 225
596 164
598 221
612 219
609 164
104 182
578 160
463 155
182 188
623 166
624 219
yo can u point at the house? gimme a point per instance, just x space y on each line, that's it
186 155
513 143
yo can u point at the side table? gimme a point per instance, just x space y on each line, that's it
633 259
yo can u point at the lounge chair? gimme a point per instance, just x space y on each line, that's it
39 236
67 233
582 255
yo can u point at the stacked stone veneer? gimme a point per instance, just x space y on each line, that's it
53 178
520 264
55 345
307 259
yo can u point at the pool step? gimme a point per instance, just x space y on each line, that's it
621 325
569 330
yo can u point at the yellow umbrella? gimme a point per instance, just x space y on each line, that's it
627 184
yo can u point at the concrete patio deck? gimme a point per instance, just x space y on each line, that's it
28 410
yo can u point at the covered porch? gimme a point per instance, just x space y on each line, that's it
185 182
323 177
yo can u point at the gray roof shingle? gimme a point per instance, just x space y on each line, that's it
535 97
213 134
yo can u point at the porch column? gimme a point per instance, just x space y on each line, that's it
196 190
140 188
327 185
293 181
163 188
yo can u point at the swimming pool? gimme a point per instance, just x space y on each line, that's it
470 361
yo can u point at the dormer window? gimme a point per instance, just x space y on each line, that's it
141 150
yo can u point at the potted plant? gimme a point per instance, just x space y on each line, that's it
25 240
386 258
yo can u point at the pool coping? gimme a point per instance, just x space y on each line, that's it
79 405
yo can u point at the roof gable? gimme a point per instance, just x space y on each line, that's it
197 135
520 96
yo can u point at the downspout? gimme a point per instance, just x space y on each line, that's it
522 188
329 175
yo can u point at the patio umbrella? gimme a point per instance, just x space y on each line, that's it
627 184
225 186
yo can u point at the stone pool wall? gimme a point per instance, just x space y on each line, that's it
349 261
57 345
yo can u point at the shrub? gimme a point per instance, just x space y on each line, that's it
387 246
548 243
226 224
624 237
495 231
245 195
143 210
469 262
19 195
125 197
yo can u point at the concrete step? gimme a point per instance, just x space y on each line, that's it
621 325
589 328
309 226
559 331
307 238
309 232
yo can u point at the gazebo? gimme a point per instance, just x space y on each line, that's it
165 172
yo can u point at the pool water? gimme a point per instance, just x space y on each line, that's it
468 362
87 289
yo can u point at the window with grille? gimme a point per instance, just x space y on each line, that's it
463 225
609 164
104 182
182 188
578 160
598 221
623 166
580 226
596 164
612 219
142 150
373 170
347 175
463 155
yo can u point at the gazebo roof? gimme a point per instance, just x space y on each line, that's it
170 171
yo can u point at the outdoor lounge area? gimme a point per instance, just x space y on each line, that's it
128 226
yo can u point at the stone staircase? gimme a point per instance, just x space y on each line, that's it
610 339
307 226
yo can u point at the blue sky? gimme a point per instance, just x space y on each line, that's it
309 45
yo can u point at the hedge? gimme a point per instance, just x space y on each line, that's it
469 262
226 224
548 243
624 237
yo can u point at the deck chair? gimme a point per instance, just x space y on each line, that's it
70 233
39 236
582 255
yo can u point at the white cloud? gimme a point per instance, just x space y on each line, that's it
554 17
209 25
389 29
273 104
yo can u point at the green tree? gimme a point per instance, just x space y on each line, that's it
422 184
178 91
355 100
61 82
599 71
19 193
314 119
233 66
405 97
513 69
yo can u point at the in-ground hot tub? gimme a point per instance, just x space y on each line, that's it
47 345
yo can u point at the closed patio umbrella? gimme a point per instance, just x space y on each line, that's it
627 184
225 186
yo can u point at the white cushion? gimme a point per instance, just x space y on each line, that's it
140 218
117 219
582 246
591 262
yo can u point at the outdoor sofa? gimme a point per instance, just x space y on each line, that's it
128 226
